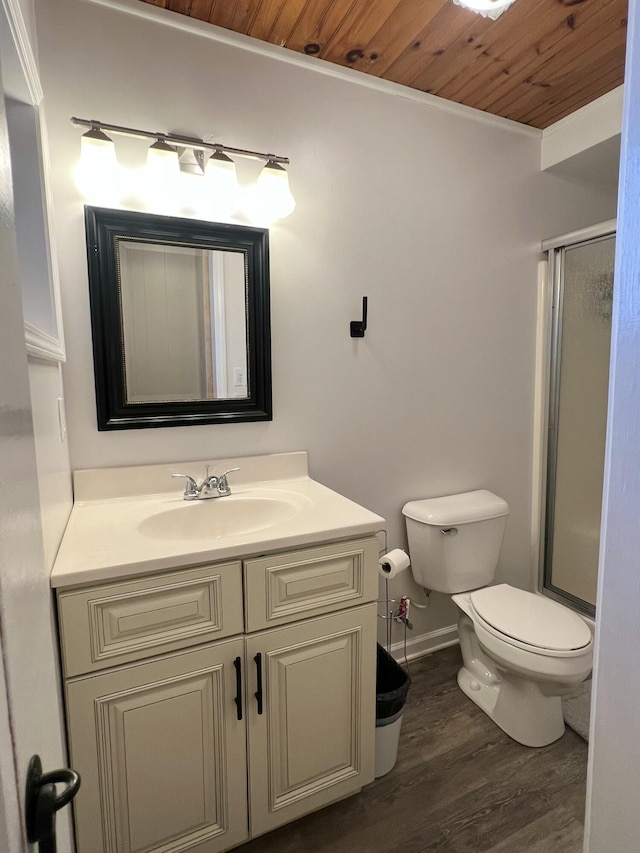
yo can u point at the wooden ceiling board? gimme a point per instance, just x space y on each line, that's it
285 21
266 18
182 7
529 79
358 27
275 20
231 14
401 32
561 74
317 22
473 47
509 78
201 9
513 59
538 62
605 76
433 41
503 44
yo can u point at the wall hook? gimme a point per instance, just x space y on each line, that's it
359 327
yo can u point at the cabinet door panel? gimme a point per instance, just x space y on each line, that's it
314 742
161 754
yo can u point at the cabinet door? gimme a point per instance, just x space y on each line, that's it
313 743
161 754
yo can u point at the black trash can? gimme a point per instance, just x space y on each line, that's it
392 686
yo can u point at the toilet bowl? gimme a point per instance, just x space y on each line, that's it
521 652
519 662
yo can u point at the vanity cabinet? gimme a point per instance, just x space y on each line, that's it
204 713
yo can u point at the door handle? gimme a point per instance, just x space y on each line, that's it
42 802
238 700
258 693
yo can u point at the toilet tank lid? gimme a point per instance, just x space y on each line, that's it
448 511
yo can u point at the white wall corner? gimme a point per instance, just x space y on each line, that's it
587 127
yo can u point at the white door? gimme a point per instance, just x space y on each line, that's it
613 819
30 712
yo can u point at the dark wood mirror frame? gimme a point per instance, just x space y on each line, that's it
103 229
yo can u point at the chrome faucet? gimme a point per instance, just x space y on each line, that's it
209 487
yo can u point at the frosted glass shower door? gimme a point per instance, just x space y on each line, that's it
578 418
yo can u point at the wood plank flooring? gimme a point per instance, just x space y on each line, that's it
460 786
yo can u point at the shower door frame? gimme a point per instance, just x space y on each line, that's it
555 249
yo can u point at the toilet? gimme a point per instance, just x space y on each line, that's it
521 652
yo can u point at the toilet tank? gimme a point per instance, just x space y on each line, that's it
454 541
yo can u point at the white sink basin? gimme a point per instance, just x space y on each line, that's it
218 517
133 521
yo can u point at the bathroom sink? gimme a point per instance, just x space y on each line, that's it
219 517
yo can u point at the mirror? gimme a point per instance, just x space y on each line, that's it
180 320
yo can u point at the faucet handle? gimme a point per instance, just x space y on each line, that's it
223 485
191 489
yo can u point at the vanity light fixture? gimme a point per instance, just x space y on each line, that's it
97 168
269 199
487 8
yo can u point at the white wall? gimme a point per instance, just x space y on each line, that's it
434 215
586 141
52 454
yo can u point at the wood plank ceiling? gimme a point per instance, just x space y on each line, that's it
538 62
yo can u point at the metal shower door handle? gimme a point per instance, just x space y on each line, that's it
42 802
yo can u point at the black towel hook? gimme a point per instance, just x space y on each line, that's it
359 327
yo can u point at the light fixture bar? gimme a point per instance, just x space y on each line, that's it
184 141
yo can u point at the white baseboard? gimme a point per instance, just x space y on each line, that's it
425 644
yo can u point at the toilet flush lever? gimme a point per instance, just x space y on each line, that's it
449 531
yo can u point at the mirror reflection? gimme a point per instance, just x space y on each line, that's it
180 320
184 322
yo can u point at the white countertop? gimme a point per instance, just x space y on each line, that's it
103 539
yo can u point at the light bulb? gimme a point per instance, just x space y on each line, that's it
162 160
222 184
161 177
96 174
271 197
487 8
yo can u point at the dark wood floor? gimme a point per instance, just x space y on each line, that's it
460 786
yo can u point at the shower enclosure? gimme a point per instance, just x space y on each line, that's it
581 272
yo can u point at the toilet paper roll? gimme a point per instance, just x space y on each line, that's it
393 563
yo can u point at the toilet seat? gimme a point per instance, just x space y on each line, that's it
530 622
